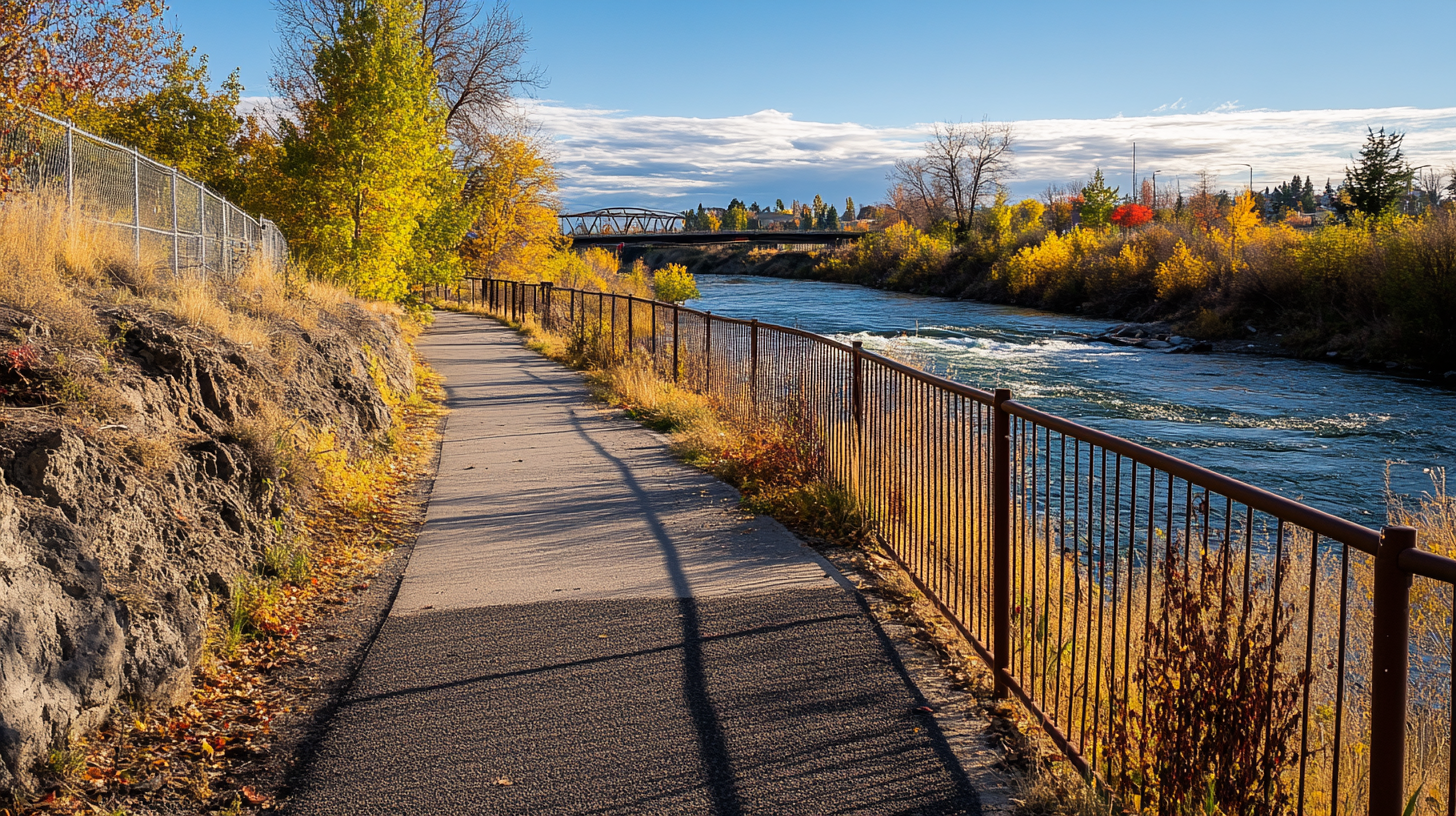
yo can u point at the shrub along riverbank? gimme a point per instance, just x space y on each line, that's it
1369 292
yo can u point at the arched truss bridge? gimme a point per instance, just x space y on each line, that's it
620 221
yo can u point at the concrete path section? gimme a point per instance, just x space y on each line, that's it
588 626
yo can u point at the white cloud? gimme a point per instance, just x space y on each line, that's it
614 157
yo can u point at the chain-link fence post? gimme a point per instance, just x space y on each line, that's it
136 205
202 229
70 168
176 235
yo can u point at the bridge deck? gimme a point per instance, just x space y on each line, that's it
588 626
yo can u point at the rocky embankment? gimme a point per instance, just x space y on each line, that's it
139 476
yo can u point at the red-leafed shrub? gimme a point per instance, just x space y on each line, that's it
1131 215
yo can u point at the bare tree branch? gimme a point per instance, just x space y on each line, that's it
479 58
968 162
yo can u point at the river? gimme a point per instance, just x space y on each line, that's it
1319 433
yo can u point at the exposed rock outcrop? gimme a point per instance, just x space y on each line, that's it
119 534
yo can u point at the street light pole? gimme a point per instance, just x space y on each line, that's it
1251 176
1409 185
1155 189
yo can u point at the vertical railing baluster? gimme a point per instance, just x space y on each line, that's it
675 369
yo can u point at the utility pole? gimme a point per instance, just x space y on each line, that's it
1134 166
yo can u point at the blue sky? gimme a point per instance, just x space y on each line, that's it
666 103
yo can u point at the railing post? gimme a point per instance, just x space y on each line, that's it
571 307
675 369
856 401
1001 541
631 301
546 297
614 327
1390 669
707 352
652 308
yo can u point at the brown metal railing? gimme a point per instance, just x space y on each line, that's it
1065 555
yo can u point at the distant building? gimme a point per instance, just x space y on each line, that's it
766 220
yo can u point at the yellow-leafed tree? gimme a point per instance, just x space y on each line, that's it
513 188
369 161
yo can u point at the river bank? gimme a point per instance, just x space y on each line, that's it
1241 337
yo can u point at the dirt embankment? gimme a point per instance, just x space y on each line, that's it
143 468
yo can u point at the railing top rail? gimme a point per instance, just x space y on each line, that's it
977 394
1429 565
1318 521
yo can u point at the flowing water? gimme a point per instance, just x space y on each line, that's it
1319 433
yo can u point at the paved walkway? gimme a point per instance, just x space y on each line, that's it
588 626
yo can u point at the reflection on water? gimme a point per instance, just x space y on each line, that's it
1315 432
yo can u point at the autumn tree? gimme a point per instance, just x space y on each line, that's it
736 218
1098 201
67 56
1128 216
62 55
513 185
369 155
1379 178
850 213
478 58
182 123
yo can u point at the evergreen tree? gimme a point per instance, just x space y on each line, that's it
370 161
1306 196
831 218
1380 177
690 221
753 208
806 218
1098 201
779 206
819 211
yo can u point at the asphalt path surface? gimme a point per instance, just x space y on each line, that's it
587 626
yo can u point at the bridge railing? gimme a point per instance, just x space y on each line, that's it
1157 618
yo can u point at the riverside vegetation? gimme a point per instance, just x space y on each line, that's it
1209 753
192 473
1369 292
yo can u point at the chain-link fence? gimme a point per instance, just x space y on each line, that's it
166 215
